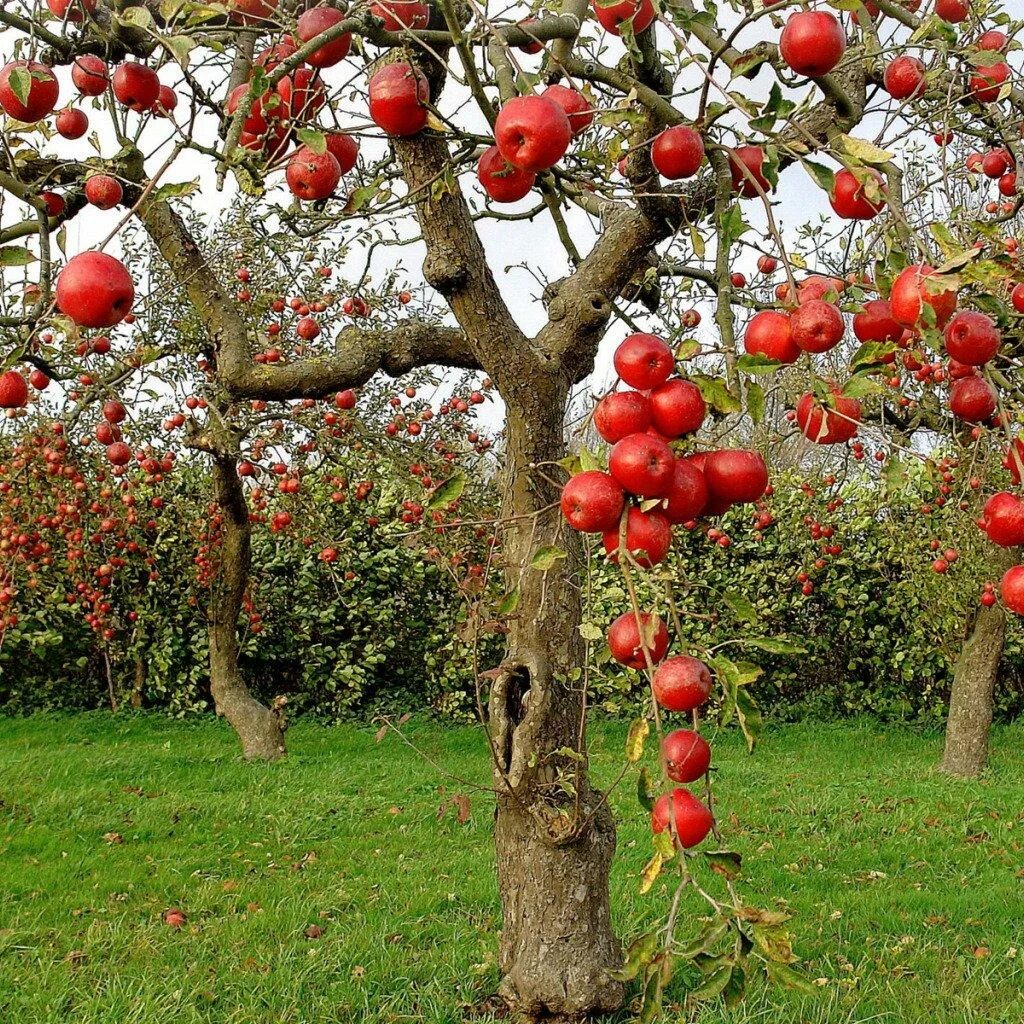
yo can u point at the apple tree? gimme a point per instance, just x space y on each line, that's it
652 147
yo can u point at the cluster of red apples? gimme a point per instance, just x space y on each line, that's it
647 490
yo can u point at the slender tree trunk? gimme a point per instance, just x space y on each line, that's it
138 683
554 836
972 698
259 728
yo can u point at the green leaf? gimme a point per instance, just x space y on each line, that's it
734 992
445 493
863 151
181 47
175 190
640 953
706 939
748 714
509 603
775 943
20 81
784 975
755 401
651 871
773 645
137 17
824 176
716 393
638 733
645 792
725 863
713 985
740 606
16 256
588 461
860 385
591 631
652 1000
547 557
314 140
757 363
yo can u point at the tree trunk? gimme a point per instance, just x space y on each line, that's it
554 835
972 697
259 728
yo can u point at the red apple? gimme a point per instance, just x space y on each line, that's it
72 123
746 164
136 86
500 180
314 23
643 361
817 326
592 502
103 191
28 90
1017 297
876 323
687 494
627 644
302 94
1013 589
166 101
677 407
681 683
692 821
251 12
344 149
532 133
90 75
613 16
642 465
851 200
904 78
119 454
812 43
71 10
677 152
828 425
972 338
735 475
13 390
911 290
953 11
397 94
972 399
312 176
648 537
986 83
95 290
401 14
1003 518
622 413
770 334
686 754
577 107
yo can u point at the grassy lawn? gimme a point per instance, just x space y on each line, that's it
908 887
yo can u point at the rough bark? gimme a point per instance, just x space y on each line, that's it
554 836
258 727
972 698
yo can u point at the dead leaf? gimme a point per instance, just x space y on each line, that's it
461 803
113 837
314 931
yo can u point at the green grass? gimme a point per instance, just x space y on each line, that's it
907 885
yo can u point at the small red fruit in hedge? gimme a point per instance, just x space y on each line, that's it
114 411
912 290
500 180
735 475
314 23
345 399
681 683
643 361
397 94
648 537
770 334
817 326
642 465
312 176
812 43
307 328
13 390
687 495
1013 589
677 407
677 152
103 191
95 290
627 645
576 106
972 399
692 820
36 83
119 454
532 132
972 338
852 201
687 755
592 502
620 414
904 78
